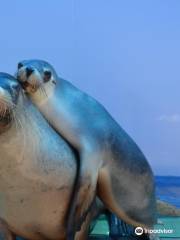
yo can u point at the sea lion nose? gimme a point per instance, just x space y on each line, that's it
20 65
29 71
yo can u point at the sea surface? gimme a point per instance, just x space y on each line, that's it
168 189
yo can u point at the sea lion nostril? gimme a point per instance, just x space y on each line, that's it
29 71
20 65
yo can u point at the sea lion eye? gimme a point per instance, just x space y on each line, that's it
47 76
20 65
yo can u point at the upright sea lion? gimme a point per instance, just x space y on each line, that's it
37 170
107 154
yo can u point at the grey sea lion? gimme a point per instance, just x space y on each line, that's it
37 170
107 155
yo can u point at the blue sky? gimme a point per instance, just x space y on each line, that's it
124 53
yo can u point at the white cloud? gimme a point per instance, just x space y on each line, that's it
173 118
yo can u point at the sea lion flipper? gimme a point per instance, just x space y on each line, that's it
5 233
131 200
79 210
83 194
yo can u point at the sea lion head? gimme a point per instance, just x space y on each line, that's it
34 74
9 95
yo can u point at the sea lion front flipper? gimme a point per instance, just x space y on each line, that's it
96 210
5 233
83 194
127 194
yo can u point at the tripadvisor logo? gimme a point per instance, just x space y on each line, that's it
139 231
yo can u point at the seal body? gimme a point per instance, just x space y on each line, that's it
37 169
107 154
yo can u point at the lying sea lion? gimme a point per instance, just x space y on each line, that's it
37 170
107 155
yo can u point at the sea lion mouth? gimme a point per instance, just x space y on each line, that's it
6 114
5 120
25 85
23 74
26 81
9 95
28 87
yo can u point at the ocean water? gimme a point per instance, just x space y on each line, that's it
168 189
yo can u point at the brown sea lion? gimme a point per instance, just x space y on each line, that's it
37 170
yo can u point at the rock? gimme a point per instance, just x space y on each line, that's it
166 209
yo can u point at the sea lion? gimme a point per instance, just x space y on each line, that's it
107 155
37 170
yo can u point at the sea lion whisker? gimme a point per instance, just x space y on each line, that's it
42 90
20 126
14 118
3 108
6 101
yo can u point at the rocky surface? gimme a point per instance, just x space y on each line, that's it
166 209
